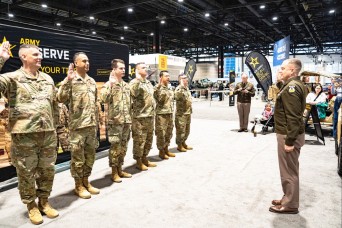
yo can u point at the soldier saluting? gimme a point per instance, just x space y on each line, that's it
31 97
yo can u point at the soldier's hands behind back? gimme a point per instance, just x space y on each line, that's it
4 50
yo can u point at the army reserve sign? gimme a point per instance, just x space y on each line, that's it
58 50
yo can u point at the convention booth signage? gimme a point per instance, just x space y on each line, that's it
190 70
260 68
281 51
57 49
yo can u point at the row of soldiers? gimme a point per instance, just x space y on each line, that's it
33 114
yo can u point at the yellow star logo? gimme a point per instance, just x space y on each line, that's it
132 71
190 69
254 61
11 47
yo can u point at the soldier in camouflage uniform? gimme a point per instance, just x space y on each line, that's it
164 111
78 91
6 135
116 94
143 114
183 113
62 128
31 98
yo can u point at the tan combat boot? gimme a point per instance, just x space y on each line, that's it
181 148
115 176
122 173
147 162
140 165
45 208
91 189
187 146
34 213
162 155
80 190
168 153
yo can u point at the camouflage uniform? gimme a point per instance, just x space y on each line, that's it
80 96
5 133
62 128
119 120
183 113
164 110
143 113
31 122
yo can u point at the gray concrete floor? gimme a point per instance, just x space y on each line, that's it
228 180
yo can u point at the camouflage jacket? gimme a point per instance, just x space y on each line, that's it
31 101
143 103
4 118
80 96
63 117
119 102
164 99
183 100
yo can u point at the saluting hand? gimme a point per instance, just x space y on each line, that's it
71 73
4 50
112 79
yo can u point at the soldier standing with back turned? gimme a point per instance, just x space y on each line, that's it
31 98
116 94
78 90
164 112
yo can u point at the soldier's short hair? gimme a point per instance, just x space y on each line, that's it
297 63
115 62
138 64
182 75
161 73
77 54
26 46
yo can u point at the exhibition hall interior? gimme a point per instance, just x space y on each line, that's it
220 164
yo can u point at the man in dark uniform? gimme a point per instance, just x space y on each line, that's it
245 91
289 126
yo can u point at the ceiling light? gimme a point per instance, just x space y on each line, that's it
331 11
10 15
93 32
130 10
185 29
262 6
226 24
206 14
122 38
162 22
58 24
91 17
275 18
44 5
180 0
125 27
151 34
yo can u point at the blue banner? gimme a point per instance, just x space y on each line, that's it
281 51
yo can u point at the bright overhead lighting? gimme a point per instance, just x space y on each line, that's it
331 11
122 38
206 14
44 5
151 34
130 10
93 32
262 6
10 15
275 18
180 0
125 27
226 24
185 29
91 17
58 24
162 22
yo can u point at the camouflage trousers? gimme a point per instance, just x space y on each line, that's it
163 130
83 144
182 123
118 136
63 138
142 133
34 156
